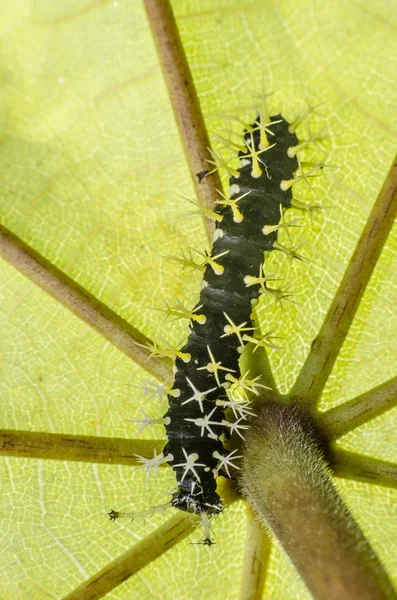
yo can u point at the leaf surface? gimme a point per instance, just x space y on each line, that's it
92 172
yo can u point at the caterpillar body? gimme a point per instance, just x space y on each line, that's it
195 421
202 413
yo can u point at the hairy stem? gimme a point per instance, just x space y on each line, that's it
286 480
83 304
184 102
347 416
81 448
326 346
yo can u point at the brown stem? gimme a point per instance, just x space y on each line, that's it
83 304
82 448
123 567
285 479
151 547
184 102
256 559
350 465
326 346
344 418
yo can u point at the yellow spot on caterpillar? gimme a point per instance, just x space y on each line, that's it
254 156
218 269
180 311
168 351
237 215
211 261
313 139
261 280
287 183
233 329
245 384
214 367
265 342
283 224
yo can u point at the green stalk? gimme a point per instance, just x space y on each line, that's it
286 480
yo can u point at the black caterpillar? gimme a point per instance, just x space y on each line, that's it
247 224
195 419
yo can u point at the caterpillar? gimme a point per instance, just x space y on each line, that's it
246 227
196 417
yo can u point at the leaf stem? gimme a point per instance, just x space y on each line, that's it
286 480
351 465
82 448
147 550
256 559
124 566
184 102
326 346
83 304
347 416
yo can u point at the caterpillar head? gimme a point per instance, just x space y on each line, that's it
186 498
